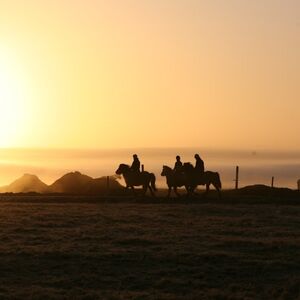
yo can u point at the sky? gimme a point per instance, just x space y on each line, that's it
218 74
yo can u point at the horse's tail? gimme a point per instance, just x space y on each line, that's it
152 181
218 180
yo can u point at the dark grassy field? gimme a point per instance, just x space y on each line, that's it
154 250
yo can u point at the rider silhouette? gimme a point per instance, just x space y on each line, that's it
178 165
199 167
135 167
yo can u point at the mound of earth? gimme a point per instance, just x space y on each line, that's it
77 183
263 190
26 184
71 183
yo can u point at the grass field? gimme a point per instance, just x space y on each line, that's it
182 250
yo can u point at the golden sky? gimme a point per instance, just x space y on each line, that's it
146 73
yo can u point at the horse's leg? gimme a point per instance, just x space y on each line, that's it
133 190
193 190
218 190
126 189
151 185
189 191
187 188
151 190
207 190
144 189
169 192
176 192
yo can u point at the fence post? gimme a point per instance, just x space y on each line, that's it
272 183
142 168
107 184
237 177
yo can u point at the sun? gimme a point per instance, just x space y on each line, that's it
12 102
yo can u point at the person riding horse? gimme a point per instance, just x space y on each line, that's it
178 165
134 177
135 167
199 167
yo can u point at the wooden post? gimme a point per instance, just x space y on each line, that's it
272 183
142 168
237 177
107 184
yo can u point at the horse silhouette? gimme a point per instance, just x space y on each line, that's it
132 178
174 180
194 178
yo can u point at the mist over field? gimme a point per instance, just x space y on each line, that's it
50 164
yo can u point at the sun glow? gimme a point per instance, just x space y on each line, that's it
13 96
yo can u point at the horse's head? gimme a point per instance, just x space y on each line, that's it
122 169
165 171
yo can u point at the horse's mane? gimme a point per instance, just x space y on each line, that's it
124 165
167 167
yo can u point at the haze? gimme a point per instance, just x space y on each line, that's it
51 164
113 74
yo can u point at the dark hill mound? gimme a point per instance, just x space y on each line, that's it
77 183
72 183
263 190
25 184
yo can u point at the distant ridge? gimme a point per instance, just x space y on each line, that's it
71 183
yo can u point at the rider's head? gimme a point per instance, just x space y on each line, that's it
197 156
177 157
135 156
